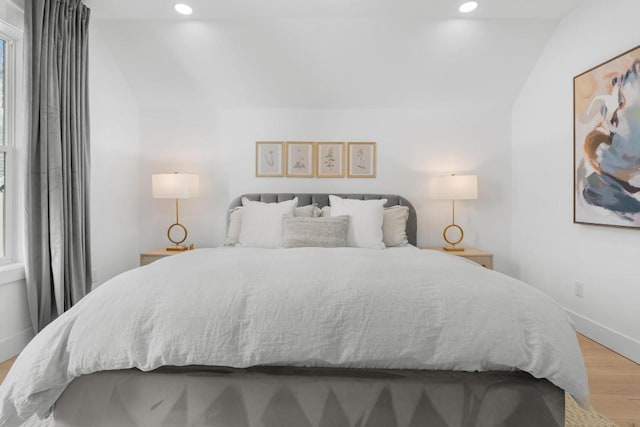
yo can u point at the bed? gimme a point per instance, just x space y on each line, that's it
305 336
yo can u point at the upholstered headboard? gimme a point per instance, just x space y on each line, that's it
322 200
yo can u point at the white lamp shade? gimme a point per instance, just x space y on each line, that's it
175 186
455 187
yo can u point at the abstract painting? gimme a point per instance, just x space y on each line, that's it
607 143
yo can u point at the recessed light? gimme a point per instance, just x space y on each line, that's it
469 6
183 9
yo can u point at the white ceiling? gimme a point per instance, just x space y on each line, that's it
325 53
226 9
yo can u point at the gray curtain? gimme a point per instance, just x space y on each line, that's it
58 247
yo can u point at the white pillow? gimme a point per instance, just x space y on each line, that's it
262 223
394 226
235 222
365 228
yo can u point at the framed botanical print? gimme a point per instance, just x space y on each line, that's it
330 159
269 159
361 159
606 127
300 161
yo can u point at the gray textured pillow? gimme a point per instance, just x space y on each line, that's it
298 232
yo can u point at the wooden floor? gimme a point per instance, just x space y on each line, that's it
4 368
614 382
613 379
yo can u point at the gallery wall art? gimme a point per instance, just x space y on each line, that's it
362 159
303 159
269 159
330 160
300 159
607 143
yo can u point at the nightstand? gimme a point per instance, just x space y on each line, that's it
153 255
483 258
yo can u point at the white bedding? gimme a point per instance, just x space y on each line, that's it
239 307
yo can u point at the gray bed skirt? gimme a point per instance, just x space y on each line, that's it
305 397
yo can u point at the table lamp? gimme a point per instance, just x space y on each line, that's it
175 186
454 187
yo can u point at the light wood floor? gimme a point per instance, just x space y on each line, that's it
4 368
614 382
613 379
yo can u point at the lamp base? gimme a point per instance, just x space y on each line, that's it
177 248
453 249
452 243
180 248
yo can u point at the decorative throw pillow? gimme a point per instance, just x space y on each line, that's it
310 211
394 226
315 232
325 212
262 222
365 228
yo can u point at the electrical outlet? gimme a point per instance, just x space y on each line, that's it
578 289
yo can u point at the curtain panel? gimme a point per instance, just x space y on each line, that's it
58 259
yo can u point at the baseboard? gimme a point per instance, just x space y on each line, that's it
13 345
620 343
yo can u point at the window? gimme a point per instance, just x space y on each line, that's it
7 146
3 153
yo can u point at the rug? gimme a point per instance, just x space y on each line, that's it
575 416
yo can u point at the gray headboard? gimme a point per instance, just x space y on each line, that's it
322 200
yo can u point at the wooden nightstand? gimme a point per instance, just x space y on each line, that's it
153 255
483 258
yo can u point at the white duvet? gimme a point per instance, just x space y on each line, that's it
239 307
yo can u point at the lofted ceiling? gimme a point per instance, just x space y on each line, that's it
325 53
226 9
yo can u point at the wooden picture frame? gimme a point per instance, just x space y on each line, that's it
300 161
361 159
330 160
270 159
606 130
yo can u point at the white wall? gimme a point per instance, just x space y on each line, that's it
15 324
552 252
115 164
12 12
434 94
412 145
